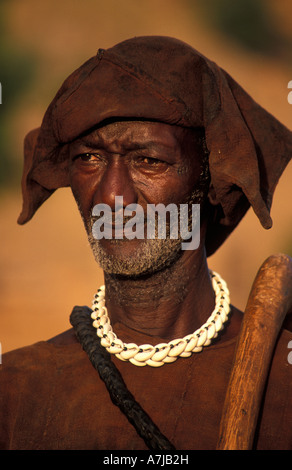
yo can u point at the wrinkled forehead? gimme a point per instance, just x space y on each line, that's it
121 136
140 130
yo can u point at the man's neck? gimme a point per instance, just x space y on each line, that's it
170 303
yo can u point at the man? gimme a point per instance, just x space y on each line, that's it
153 122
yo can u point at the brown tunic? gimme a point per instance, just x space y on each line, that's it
51 397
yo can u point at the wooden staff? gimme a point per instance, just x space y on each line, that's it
269 302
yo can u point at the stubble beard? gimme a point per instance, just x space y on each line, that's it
151 255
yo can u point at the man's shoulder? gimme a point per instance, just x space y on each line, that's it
40 355
275 420
281 366
65 338
45 351
285 337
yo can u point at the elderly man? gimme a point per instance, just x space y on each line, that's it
150 121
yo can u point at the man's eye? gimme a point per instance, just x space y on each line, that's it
151 165
87 157
150 161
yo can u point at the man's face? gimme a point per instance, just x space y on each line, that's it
145 163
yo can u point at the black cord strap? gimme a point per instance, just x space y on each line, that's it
81 321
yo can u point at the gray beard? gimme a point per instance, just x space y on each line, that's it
151 256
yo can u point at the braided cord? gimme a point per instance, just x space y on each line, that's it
81 321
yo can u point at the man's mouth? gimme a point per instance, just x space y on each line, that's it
125 230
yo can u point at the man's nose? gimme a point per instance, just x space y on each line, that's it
116 181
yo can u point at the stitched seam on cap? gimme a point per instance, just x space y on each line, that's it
170 101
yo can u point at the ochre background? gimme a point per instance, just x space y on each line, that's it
46 265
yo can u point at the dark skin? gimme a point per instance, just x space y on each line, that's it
146 163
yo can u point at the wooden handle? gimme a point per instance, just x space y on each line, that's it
269 301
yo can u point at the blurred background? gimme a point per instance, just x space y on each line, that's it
46 265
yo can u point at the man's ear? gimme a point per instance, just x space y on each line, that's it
212 195
213 210
212 216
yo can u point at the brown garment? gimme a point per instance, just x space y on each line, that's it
52 398
164 79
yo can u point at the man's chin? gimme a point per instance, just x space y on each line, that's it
134 258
